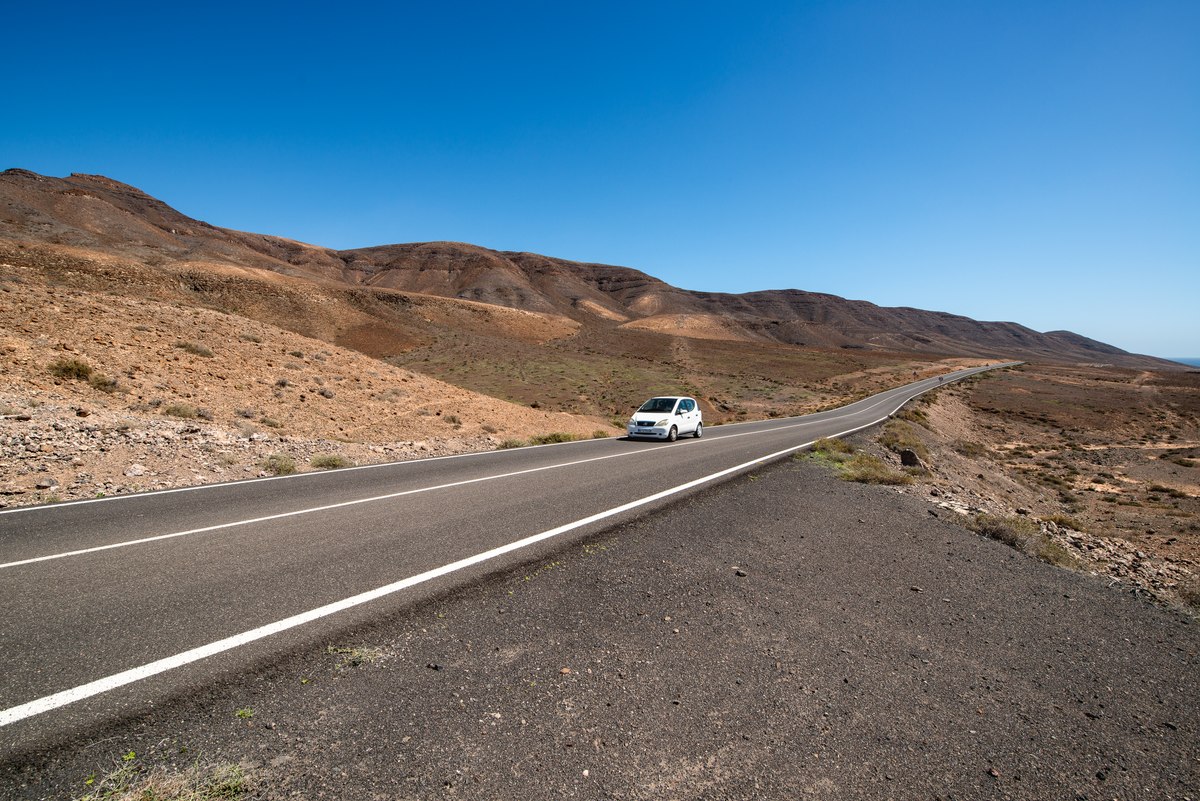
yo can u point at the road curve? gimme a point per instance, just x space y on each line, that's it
112 603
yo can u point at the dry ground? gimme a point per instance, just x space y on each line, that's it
1106 460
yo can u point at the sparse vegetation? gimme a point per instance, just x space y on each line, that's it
102 382
353 656
1024 535
600 433
184 411
511 443
915 414
129 781
1065 522
330 461
548 439
899 435
195 349
71 369
854 465
867 469
972 450
279 464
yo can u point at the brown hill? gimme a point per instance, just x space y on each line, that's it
98 213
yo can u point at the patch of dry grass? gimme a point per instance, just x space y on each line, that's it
131 782
853 465
1023 534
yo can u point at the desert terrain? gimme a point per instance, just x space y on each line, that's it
141 349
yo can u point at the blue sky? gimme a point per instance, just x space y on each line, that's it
1028 161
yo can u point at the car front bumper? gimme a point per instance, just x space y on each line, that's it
648 432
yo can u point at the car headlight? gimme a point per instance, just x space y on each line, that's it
660 423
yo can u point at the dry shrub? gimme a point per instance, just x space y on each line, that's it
195 349
182 410
1012 531
898 435
279 464
1023 534
72 369
832 446
867 469
102 382
330 461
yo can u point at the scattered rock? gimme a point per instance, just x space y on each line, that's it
135 470
48 482
909 458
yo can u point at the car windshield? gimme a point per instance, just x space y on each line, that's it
658 405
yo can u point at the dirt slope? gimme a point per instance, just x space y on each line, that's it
100 214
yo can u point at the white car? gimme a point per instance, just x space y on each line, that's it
666 418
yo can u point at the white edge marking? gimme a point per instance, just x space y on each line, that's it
65 697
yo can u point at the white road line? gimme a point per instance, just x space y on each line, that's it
343 504
65 697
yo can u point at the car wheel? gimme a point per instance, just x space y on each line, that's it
699 432
673 434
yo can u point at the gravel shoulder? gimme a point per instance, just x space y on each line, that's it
784 635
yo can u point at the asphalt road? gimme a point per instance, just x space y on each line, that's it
782 635
112 604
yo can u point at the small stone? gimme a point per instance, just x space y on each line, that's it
433 666
82 412
737 571
565 671
136 470
48 482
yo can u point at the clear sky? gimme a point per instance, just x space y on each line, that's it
1028 161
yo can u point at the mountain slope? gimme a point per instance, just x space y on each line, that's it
99 214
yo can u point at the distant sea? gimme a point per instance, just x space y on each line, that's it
1193 361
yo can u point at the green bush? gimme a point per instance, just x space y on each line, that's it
512 443
73 369
600 433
